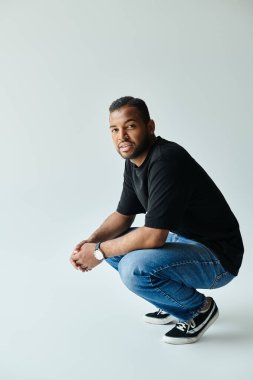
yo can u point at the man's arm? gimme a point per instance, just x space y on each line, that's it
113 226
140 238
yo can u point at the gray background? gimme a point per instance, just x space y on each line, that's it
61 65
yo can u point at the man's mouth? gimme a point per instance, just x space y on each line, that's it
125 147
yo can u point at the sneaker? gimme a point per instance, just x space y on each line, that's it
158 317
192 330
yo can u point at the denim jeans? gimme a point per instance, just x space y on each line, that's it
168 276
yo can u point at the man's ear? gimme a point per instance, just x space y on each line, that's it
151 126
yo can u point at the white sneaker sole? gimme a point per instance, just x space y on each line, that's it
173 340
159 321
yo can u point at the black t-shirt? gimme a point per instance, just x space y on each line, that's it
177 194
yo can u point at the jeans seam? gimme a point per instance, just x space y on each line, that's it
183 263
165 294
217 278
177 264
173 265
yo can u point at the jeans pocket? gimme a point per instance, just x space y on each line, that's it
222 280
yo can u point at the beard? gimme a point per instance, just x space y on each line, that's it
142 147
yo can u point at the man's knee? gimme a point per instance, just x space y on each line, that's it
131 268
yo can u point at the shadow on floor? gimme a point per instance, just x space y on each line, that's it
232 328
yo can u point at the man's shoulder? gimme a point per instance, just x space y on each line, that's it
167 150
162 152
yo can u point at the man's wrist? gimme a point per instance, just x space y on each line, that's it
101 249
98 252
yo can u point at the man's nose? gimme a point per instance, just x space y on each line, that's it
122 135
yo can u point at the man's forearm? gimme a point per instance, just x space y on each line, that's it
140 238
113 226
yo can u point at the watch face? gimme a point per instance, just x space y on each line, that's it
98 254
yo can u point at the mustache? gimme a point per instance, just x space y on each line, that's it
124 143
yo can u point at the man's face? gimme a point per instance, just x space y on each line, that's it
130 135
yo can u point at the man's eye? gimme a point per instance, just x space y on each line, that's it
113 130
130 126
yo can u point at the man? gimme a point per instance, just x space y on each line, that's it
190 239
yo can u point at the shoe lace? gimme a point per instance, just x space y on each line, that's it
160 311
185 326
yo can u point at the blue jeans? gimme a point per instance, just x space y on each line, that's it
168 276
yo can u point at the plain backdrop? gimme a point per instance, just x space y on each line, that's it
62 63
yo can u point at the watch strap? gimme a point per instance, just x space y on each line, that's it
97 247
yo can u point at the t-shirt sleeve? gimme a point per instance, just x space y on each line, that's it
129 203
169 186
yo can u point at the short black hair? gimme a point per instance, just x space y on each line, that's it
131 102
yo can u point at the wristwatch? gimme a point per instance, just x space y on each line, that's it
98 253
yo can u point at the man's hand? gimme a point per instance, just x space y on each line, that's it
77 249
83 258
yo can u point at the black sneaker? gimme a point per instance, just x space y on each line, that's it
158 317
192 330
